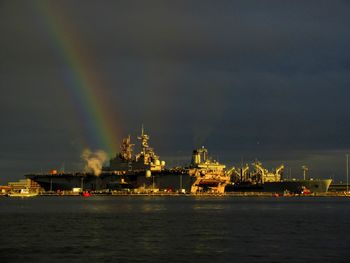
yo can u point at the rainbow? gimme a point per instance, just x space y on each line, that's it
83 84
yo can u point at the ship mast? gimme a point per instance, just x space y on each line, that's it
147 152
347 173
305 169
144 138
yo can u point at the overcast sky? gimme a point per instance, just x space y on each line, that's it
247 79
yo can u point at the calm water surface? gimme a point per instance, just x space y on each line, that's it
175 229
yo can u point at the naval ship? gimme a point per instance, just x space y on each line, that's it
145 171
262 180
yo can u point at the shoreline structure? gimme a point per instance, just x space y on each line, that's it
176 194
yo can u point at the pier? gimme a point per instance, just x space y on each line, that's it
204 194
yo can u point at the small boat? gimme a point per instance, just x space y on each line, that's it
86 194
23 193
305 191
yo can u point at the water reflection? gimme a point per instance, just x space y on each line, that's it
175 229
208 206
152 207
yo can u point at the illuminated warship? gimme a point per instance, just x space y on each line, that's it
202 175
145 170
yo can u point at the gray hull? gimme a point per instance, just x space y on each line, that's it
67 181
164 181
297 186
315 186
161 180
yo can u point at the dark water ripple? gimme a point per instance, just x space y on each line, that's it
175 229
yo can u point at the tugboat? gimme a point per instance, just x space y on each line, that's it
86 193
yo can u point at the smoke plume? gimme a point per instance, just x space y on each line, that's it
94 160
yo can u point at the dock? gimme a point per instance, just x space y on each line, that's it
177 194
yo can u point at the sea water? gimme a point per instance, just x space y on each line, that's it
175 229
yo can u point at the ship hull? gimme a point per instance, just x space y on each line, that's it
165 180
297 186
67 181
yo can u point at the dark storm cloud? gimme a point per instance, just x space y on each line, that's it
234 33
267 79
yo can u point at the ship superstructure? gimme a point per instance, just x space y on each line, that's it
143 161
261 179
209 175
258 175
123 160
147 157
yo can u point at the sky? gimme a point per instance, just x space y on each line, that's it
249 80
